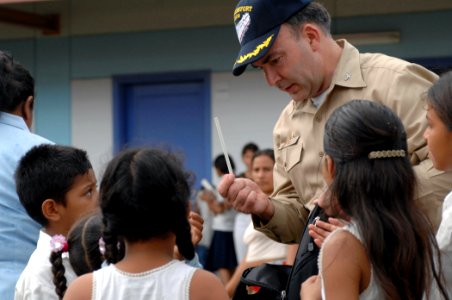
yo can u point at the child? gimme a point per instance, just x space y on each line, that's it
221 256
86 247
388 250
439 139
144 199
88 250
56 185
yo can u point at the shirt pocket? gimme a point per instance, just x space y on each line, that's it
291 152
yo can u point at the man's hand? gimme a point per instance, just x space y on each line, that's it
246 196
320 230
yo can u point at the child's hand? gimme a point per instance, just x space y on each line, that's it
320 230
196 224
311 289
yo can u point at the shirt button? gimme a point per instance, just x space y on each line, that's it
347 76
321 154
318 118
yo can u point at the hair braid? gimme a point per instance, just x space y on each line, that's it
58 270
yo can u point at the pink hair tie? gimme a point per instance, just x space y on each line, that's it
58 243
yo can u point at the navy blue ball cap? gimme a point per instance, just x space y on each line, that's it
257 23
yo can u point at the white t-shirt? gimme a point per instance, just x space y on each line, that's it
444 238
36 281
261 247
168 282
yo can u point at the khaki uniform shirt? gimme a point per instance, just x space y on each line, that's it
298 137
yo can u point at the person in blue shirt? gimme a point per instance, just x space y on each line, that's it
18 232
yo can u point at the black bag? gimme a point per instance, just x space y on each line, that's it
305 264
263 282
279 282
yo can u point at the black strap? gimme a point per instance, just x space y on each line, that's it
305 264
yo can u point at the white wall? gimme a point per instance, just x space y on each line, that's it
92 121
246 107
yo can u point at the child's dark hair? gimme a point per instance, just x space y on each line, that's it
220 164
84 253
84 240
439 96
144 193
16 83
249 147
48 172
379 196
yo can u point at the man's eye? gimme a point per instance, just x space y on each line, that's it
275 60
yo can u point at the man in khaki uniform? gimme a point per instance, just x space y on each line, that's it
290 41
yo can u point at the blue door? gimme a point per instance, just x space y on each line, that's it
170 111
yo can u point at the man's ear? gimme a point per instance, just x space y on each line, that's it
312 34
27 111
50 210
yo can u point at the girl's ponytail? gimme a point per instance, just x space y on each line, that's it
58 245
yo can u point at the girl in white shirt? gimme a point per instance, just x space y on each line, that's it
144 200
439 139
388 249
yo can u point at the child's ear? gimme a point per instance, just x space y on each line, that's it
50 210
330 166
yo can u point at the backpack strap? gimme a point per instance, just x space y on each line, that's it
305 264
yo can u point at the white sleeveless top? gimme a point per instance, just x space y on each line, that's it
373 290
168 282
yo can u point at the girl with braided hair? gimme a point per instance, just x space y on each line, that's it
144 201
83 248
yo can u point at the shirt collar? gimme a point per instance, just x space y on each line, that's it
347 74
348 71
13 120
44 241
44 244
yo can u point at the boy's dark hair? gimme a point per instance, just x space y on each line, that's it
16 83
48 172
144 193
220 164
249 147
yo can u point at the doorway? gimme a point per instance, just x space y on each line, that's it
170 111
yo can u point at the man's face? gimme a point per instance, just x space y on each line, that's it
292 65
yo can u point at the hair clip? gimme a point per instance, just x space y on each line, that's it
386 154
102 246
58 243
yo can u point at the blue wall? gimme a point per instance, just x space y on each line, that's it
54 61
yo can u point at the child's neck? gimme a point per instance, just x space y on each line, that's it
144 256
53 230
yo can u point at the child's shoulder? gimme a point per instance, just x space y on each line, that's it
81 288
205 285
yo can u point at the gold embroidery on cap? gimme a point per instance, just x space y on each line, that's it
256 51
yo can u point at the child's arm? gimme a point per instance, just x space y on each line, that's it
215 206
80 289
345 270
